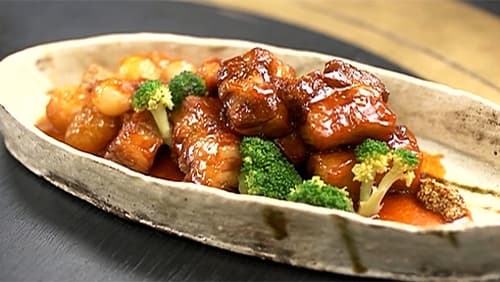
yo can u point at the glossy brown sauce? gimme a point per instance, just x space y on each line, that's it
404 208
164 167
44 125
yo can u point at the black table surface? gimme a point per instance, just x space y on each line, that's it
46 234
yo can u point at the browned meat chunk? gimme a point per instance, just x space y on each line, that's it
341 105
293 147
209 71
335 169
250 87
339 74
91 131
137 142
204 148
402 137
334 118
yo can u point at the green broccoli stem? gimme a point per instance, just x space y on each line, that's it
242 184
161 119
365 190
373 204
389 178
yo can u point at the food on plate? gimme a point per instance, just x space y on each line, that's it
375 158
265 171
293 147
250 124
316 192
90 130
250 87
332 116
137 142
154 96
64 104
208 71
335 168
203 146
442 199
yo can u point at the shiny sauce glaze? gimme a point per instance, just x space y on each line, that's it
46 126
163 166
399 207
316 120
406 208
203 146
250 87
329 116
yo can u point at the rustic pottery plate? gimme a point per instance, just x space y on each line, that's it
463 127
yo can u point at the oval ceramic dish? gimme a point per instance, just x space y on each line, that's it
465 128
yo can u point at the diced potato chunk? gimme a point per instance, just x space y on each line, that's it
91 131
64 103
138 67
113 96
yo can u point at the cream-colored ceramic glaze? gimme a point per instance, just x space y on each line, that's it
463 127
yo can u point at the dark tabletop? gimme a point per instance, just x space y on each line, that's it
46 234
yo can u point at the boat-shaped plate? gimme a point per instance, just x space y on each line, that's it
461 126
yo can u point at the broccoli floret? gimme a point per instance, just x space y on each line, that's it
318 193
154 96
184 84
265 171
374 158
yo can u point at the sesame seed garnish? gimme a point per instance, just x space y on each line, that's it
441 198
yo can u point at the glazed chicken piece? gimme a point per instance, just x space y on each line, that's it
209 71
203 147
137 142
293 148
250 88
91 131
335 168
329 116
